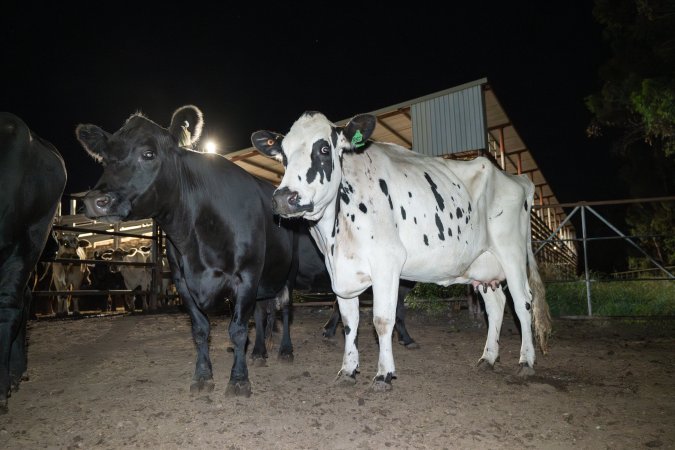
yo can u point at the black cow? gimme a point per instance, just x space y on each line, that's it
102 278
222 239
33 180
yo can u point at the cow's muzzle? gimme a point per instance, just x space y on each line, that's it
105 206
287 203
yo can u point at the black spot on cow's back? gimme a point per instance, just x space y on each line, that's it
403 212
434 190
363 208
440 226
426 240
458 212
383 186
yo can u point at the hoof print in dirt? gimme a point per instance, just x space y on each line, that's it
525 370
202 386
484 366
240 389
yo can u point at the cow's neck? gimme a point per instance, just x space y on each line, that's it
326 228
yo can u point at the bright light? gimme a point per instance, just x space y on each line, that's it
210 147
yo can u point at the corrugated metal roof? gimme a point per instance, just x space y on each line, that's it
395 125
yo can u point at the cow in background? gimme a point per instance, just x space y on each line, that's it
103 278
136 278
33 180
42 279
67 276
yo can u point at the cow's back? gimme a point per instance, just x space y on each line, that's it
34 177
414 203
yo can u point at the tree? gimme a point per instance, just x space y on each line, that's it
636 104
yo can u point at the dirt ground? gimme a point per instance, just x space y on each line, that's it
123 381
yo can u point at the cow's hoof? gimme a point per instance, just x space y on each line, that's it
330 340
4 409
259 361
286 357
484 365
525 370
328 334
202 386
412 345
238 389
345 379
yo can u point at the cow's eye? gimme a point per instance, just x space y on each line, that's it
148 154
325 150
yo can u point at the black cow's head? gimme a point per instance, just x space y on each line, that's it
311 153
132 158
69 244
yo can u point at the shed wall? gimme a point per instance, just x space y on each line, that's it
451 123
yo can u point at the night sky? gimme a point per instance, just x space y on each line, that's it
259 66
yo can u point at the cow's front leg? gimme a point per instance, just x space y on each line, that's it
384 317
202 380
349 309
494 307
244 304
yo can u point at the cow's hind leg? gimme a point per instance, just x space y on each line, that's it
403 336
516 276
262 319
494 307
286 347
349 309
18 362
331 324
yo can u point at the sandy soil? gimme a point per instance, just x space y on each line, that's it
123 381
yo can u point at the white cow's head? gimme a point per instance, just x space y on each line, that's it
311 152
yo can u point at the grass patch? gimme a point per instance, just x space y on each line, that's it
612 298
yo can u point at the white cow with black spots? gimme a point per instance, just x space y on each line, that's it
382 212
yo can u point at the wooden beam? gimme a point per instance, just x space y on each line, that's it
499 126
395 133
243 156
262 167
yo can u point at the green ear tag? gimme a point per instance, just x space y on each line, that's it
356 140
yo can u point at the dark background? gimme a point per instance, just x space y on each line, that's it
253 66
260 66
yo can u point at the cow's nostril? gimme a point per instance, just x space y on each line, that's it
103 201
293 199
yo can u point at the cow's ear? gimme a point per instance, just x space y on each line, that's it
94 140
359 130
186 125
268 143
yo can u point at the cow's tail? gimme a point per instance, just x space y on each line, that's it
541 316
